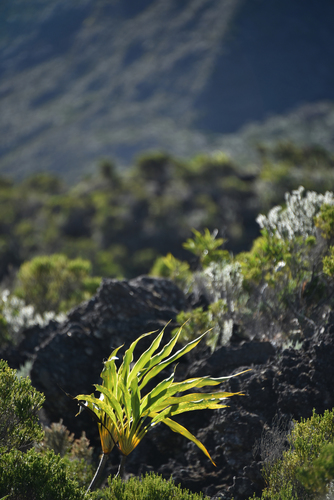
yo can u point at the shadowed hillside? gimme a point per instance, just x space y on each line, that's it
85 79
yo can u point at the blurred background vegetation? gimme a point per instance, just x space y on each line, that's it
122 221
164 216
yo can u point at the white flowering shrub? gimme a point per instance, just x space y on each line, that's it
221 283
285 271
297 219
17 315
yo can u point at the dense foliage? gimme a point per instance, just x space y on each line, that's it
19 406
55 283
33 475
148 487
29 466
162 214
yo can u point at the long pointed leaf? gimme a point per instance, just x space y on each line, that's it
135 401
176 409
163 364
125 400
183 386
109 372
175 427
191 398
204 381
159 392
113 403
128 357
157 358
146 357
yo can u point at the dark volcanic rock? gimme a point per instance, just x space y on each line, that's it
287 384
228 357
70 358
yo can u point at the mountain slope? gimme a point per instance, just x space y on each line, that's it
85 79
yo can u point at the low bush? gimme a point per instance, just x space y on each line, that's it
148 487
29 468
55 283
19 406
32 475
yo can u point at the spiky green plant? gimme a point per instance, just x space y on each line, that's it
125 416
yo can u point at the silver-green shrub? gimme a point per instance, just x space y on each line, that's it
297 218
18 316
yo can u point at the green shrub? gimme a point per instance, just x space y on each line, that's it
317 476
306 468
148 487
206 247
328 262
153 165
284 271
174 269
32 475
197 320
19 405
43 182
28 472
56 283
325 221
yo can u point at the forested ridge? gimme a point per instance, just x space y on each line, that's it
87 78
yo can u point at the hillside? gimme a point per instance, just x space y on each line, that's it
87 79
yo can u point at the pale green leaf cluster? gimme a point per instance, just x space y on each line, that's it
207 247
125 415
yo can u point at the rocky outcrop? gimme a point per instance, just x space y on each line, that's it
289 384
68 357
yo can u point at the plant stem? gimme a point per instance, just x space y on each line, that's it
98 472
121 468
